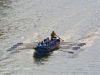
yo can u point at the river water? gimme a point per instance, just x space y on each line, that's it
30 21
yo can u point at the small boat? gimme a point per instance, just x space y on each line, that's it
43 50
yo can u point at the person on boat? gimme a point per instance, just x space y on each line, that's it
53 35
54 41
50 43
42 43
39 45
48 39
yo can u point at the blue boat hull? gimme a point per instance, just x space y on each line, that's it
42 51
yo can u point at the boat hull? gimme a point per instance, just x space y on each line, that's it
42 51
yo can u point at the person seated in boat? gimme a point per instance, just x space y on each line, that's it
42 43
51 43
47 44
53 35
48 39
39 45
45 40
54 41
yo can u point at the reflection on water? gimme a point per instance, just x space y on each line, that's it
41 60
